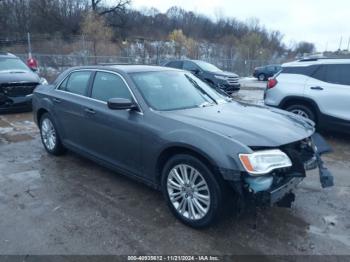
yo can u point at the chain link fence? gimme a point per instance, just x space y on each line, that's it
50 65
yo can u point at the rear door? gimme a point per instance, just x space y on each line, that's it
69 100
329 87
113 135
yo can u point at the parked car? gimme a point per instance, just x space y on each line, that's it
215 77
168 129
17 83
264 72
318 89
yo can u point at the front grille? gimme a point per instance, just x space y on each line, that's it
232 80
17 89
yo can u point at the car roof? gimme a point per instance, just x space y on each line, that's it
126 68
183 60
316 61
7 55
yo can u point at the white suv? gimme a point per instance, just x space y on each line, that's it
318 89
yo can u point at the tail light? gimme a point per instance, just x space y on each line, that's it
271 83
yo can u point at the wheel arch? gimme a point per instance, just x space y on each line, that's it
294 100
173 150
39 114
264 74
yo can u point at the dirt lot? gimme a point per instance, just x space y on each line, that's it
69 205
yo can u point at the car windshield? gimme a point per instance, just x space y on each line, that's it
207 67
12 64
172 90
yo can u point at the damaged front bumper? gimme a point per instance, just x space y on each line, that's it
277 187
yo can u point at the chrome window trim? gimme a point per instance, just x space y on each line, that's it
93 99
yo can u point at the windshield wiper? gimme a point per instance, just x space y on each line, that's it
195 84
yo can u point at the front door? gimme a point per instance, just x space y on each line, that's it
113 135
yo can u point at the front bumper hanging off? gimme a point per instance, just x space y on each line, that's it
282 195
321 147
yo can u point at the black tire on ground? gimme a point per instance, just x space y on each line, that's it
58 148
216 190
261 77
303 110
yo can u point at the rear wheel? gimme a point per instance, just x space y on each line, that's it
303 111
49 136
191 190
261 77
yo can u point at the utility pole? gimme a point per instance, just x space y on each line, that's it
29 46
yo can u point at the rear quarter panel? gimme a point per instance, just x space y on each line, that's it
288 85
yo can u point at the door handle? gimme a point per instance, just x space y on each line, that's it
90 111
316 88
56 100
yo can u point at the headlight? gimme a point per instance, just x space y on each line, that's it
263 162
220 77
43 81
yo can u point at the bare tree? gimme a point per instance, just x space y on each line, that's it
96 31
178 37
116 5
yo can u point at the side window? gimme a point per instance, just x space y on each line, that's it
338 74
175 64
63 85
334 74
189 66
77 83
270 68
301 70
320 73
107 85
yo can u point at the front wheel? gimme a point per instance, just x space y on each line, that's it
191 190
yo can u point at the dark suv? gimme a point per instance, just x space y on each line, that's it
215 77
17 83
264 72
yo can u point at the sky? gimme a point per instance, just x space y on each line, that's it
323 22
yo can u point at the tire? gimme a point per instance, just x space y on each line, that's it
210 190
302 110
261 77
49 136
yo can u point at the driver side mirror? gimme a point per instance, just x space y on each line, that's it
121 104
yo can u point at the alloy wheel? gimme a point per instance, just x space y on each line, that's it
48 134
188 192
300 113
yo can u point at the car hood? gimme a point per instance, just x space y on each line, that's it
17 76
251 125
225 73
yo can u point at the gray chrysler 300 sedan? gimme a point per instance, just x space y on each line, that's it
167 128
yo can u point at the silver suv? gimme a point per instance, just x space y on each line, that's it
318 89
